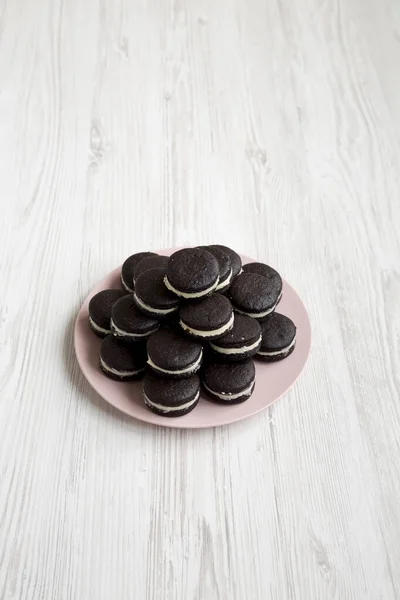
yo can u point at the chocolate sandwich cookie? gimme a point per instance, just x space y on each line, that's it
128 323
278 338
192 273
236 261
128 269
252 295
152 297
274 279
150 262
241 342
100 310
171 397
229 383
207 319
225 267
122 362
171 354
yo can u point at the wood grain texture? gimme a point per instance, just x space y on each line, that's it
267 125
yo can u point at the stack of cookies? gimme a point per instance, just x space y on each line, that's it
193 320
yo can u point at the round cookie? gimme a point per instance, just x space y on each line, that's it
128 268
207 319
128 323
152 297
252 295
236 261
229 383
275 280
170 354
100 310
150 262
122 362
225 267
241 342
278 338
171 397
192 273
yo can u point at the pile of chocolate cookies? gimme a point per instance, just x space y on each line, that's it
194 319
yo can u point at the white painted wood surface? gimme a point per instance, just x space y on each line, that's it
268 125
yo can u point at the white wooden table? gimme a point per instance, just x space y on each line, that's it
270 126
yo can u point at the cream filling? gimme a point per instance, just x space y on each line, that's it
188 369
156 311
225 282
167 409
97 328
127 334
211 332
231 396
125 286
277 352
191 294
241 350
120 373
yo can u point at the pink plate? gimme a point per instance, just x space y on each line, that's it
272 380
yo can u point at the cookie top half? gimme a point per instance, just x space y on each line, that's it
170 392
253 295
170 350
223 378
151 292
278 332
209 318
127 320
192 272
